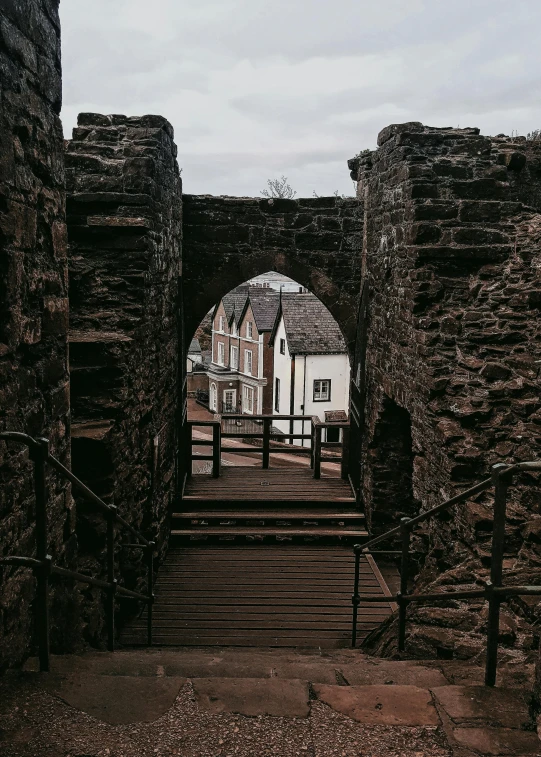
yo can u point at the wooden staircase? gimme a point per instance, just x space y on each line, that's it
247 504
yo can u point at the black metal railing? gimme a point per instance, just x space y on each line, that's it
266 434
493 591
42 565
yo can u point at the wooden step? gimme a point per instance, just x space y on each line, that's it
269 531
282 514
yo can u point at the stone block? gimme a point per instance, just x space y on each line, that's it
253 696
381 705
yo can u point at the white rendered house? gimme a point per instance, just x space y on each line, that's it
311 365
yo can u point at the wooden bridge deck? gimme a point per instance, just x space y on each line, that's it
259 558
242 484
266 596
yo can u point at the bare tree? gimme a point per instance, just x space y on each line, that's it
279 188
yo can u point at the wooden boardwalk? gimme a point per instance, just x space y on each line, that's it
296 485
263 557
266 596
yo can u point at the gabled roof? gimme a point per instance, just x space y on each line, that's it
265 303
310 328
194 348
234 301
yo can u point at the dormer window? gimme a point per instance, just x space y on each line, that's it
249 330
221 324
233 329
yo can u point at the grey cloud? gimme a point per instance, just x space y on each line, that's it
257 89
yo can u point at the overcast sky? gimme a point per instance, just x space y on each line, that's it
260 88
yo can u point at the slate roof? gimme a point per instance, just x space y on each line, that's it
235 300
265 304
310 328
195 347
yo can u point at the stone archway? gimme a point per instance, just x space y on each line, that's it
315 241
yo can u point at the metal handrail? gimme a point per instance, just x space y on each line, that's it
43 565
493 590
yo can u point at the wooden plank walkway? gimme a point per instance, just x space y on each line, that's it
245 485
260 596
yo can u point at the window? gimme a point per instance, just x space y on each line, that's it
233 329
247 399
222 323
221 353
277 395
234 358
282 346
213 397
322 390
248 362
248 330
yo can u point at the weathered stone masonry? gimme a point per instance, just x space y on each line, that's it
124 215
34 382
228 240
452 261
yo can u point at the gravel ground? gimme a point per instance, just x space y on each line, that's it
36 724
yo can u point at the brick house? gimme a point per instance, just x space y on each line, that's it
241 370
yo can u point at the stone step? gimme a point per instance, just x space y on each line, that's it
133 687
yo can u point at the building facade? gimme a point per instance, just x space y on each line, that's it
311 366
241 370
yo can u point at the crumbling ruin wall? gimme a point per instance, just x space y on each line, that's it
34 393
452 260
124 227
228 240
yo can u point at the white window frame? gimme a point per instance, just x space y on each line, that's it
213 397
221 353
222 324
234 329
282 346
277 394
248 362
319 395
249 330
234 357
247 399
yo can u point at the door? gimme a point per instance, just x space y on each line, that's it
230 401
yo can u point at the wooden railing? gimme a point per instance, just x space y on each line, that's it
493 591
317 444
43 566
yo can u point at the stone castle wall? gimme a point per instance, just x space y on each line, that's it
228 240
124 216
452 261
34 381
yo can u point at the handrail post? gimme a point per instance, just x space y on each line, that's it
39 455
405 534
111 591
312 442
355 599
344 463
266 441
216 449
317 451
188 438
150 568
496 571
